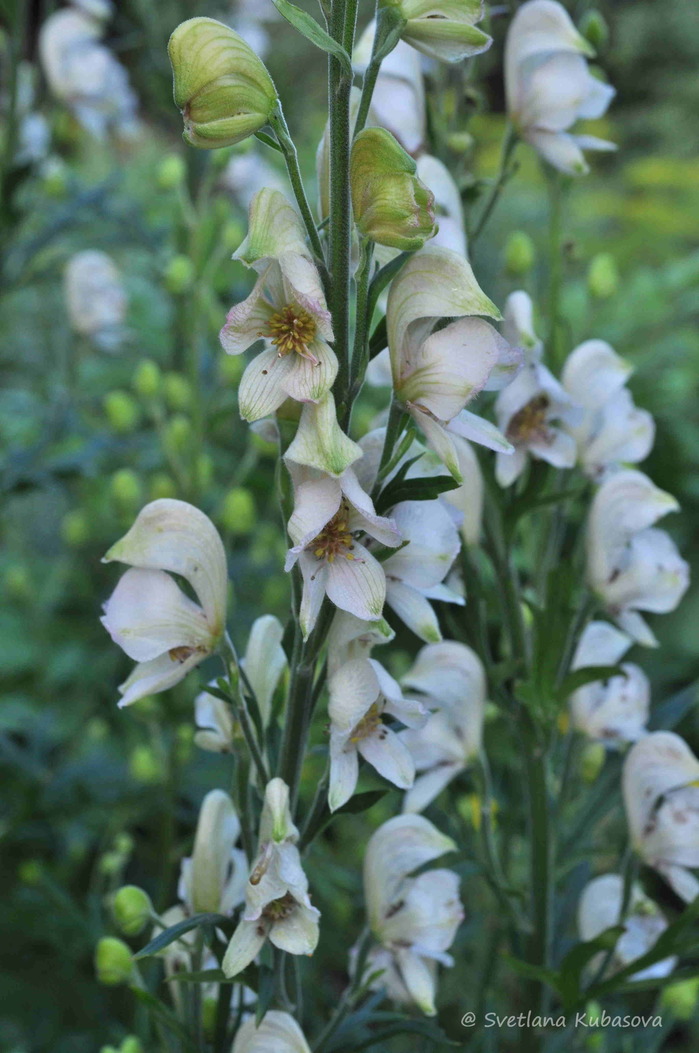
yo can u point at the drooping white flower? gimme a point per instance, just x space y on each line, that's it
533 411
450 676
549 86
350 638
213 879
414 918
437 371
96 298
287 308
442 29
631 566
612 431
330 514
661 795
215 723
398 101
614 710
415 574
448 208
361 692
600 908
277 904
84 74
148 615
277 1033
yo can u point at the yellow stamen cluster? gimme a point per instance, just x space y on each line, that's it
530 422
292 329
280 908
368 724
335 539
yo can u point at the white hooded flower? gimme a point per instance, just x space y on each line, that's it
414 918
215 723
450 676
443 29
449 211
213 879
612 431
549 86
600 908
533 411
277 904
614 710
350 637
287 309
631 566
415 573
398 101
96 298
661 795
148 614
277 1033
437 371
361 692
84 74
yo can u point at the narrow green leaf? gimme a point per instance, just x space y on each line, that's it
572 966
587 675
311 30
201 976
424 489
269 141
166 1017
169 935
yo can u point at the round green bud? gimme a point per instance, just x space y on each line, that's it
75 529
131 1044
18 583
124 843
592 761
681 998
460 142
204 470
145 765
179 275
391 205
122 411
113 963
55 178
125 487
162 485
147 379
110 863
97 729
238 513
221 87
603 276
177 434
178 391
594 28
109 1049
172 172
30 872
131 910
231 368
520 254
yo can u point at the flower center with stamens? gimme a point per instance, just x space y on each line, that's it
292 329
280 908
529 423
368 724
335 539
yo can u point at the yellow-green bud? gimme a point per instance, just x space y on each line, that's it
55 178
113 963
177 434
179 275
681 998
145 765
131 1044
238 513
110 863
592 761
109 1049
75 529
17 581
520 254
220 85
125 487
603 276
593 26
162 485
178 391
124 844
442 29
131 909
171 172
30 872
391 205
147 379
460 142
231 368
204 471
122 411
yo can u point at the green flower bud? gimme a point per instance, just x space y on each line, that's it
184 742
603 276
147 379
171 172
97 729
30 872
442 29
177 434
113 963
204 469
594 28
592 761
220 85
178 391
391 205
179 275
131 910
681 998
18 584
231 368
124 844
162 485
145 766
131 1044
520 254
122 411
55 178
125 487
238 513
75 529
109 1049
460 142
110 863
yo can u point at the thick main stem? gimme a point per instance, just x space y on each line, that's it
541 863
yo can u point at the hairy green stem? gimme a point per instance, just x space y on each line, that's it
291 157
360 353
541 861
